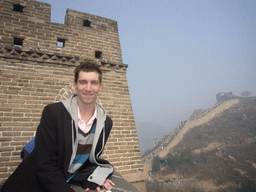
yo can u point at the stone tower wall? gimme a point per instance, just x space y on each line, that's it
37 60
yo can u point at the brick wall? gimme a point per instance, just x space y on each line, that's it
37 59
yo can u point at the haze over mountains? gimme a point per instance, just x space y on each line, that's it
147 132
219 153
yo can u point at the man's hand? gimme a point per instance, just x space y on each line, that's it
107 185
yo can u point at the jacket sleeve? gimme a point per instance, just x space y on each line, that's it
48 173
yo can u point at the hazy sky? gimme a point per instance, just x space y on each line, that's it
180 53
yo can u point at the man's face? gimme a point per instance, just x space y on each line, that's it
87 87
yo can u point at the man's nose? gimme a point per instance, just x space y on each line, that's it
88 87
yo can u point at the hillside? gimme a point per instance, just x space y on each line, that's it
220 154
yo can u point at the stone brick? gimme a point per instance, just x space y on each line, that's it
4 149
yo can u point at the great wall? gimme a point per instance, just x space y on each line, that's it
183 127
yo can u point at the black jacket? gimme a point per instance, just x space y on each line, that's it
46 167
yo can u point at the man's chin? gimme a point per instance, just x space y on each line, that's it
89 102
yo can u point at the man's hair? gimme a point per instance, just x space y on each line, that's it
88 66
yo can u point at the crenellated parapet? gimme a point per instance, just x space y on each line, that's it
26 25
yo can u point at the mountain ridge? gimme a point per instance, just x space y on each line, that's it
222 146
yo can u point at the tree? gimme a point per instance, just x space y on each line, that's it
187 156
156 164
249 186
173 160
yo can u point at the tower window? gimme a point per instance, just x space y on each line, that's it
87 23
61 42
98 54
18 42
18 7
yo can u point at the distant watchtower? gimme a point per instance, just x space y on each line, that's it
37 60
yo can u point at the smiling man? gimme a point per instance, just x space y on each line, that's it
87 84
69 140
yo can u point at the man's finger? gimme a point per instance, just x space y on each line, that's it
108 184
111 182
98 189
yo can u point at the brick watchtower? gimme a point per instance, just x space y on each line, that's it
37 60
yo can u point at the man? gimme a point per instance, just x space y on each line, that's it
69 140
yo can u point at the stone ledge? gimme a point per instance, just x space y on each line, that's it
135 177
13 52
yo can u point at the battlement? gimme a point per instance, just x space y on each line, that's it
25 10
96 23
26 25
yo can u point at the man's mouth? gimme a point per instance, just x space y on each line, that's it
87 94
